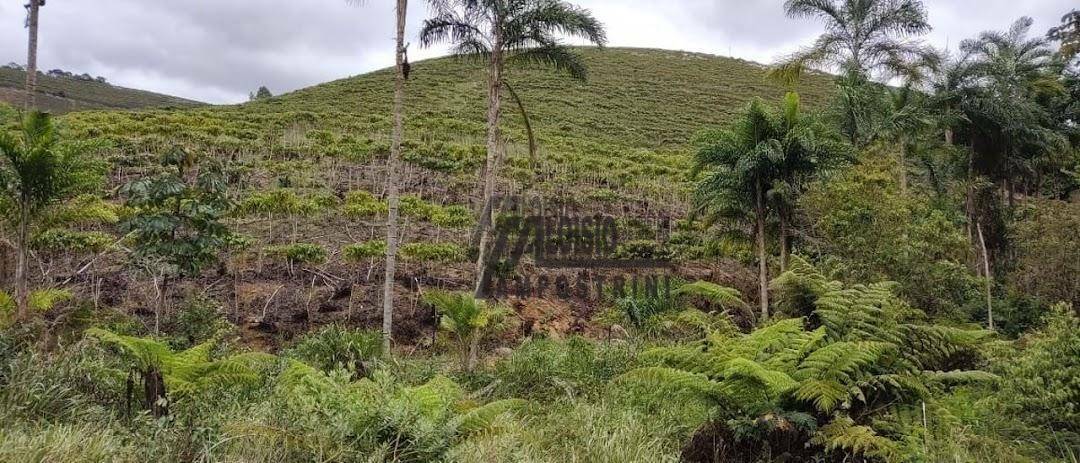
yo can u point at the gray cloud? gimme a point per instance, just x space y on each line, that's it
217 51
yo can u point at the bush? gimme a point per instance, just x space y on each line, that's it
432 252
1042 383
546 368
298 253
337 347
367 250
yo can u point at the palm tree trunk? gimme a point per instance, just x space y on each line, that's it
492 163
31 54
471 354
989 278
22 292
903 169
763 269
785 249
392 179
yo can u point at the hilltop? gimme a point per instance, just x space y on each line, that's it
66 94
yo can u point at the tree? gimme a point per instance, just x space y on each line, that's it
262 93
1009 126
1068 33
766 154
907 117
32 10
401 68
861 36
176 224
467 319
508 32
36 173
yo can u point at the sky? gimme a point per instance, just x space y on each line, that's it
218 51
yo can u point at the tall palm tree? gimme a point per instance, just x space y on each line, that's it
36 172
861 36
508 32
32 10
765 154
1012 72
906 118
392 172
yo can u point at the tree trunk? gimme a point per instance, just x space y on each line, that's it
31 54
989 278
491 165
471 354
785 244
392 179
22 266
903 169
763 268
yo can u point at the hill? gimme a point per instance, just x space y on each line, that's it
65 94
307 169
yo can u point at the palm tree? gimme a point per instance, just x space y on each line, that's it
764 159
468 319
392 172
861 36
906 118
35 173
32 10
508 32
1011 74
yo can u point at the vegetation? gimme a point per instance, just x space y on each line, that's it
841 270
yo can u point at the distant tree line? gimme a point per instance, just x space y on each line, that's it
85 77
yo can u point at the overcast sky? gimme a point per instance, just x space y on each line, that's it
219 50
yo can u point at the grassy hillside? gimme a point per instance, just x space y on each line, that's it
61 94
618 143
623 132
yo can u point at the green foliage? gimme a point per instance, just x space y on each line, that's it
362 204
298 253
177 223
320 414
869 231
1048 259
334 346
39 301
432 252
362 251
190 373
467 319
1042 383
545 368
200 320
869 353
62 240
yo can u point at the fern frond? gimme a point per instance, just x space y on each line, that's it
483 417
842 434
660 379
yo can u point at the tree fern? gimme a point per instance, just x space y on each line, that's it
843 434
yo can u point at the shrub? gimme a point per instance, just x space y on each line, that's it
366 250
298 253
334 346
432 252
548 368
